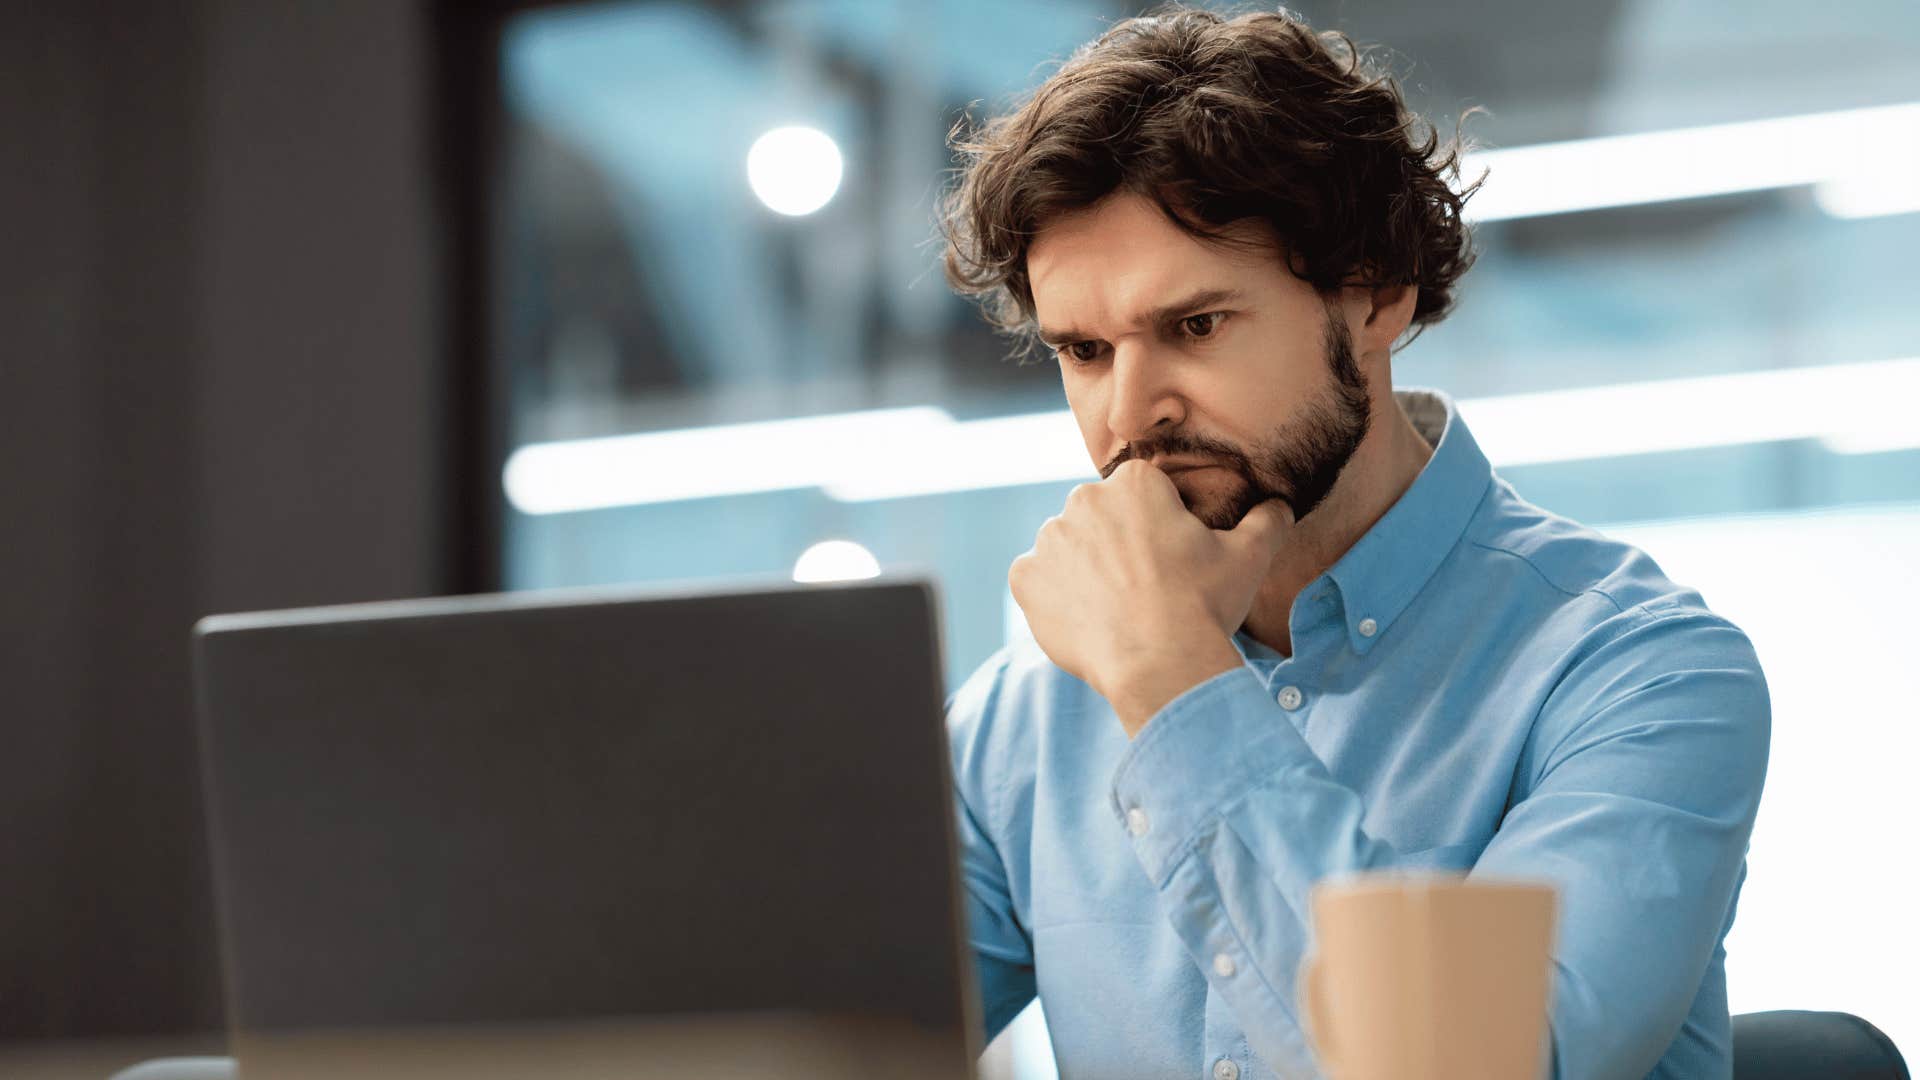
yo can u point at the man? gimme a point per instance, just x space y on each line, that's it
1300 628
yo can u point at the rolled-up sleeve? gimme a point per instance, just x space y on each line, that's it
1638 794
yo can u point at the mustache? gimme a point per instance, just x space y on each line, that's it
1184 444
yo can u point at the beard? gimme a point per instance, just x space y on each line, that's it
1297 462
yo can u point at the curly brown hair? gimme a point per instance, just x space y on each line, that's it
1221 120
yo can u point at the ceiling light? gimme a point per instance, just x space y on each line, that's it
835 560
794 170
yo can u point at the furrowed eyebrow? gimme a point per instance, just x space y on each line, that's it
1191 304
1059 338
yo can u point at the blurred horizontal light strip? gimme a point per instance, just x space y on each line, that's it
1034 448
1852 407
897 453
1875 197
699 463
1872 146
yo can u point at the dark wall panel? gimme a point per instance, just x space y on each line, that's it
320 439
220 388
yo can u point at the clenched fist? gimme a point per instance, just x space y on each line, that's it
1135 596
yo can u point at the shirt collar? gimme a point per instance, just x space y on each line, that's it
1382 572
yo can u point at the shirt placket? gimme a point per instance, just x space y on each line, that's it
1316 626
1225 1054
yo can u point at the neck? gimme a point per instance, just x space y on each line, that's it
1387 462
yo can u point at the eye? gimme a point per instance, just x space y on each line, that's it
1080 352
1200 326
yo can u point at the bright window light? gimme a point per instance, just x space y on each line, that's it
835 560
1876 146
1825 597
794 170
922 450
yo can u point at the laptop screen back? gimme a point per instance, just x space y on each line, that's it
530 808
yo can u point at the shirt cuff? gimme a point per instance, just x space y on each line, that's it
1196 756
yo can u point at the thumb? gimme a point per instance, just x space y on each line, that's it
1263 532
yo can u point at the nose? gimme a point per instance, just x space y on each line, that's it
1143 396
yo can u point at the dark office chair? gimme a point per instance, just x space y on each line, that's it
1796 1045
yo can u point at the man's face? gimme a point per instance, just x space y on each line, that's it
1215 363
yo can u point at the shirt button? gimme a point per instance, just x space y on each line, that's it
1225 1070
1367 627
1223 965
1290 698
1137 821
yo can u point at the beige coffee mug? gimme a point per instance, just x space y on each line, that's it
1429 977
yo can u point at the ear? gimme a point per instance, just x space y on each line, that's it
1385 313
1394 304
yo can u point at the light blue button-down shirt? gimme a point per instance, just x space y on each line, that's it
1476 685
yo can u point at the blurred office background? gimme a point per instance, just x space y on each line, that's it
326 302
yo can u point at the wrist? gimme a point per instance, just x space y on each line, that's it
1145 682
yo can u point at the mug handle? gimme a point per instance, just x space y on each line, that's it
1314 1010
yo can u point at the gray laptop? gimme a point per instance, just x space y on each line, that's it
641 830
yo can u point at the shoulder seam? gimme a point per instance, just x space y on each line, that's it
1535 567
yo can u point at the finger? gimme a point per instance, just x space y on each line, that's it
1018 575
1150 478
1264 530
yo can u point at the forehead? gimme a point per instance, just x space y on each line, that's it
1123 255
